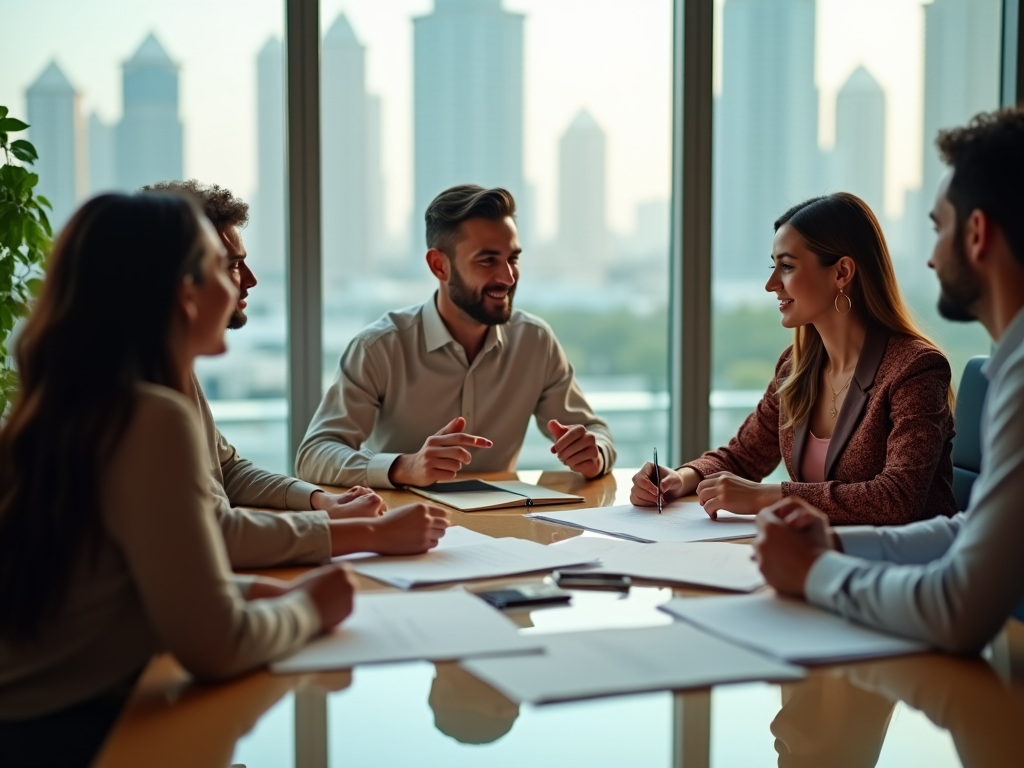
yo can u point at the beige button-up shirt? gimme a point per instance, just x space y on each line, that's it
404 377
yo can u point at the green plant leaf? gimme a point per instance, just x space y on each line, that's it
44 201
12 124
24 151
3 112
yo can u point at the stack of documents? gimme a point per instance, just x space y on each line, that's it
454 536
681 521
722 566
486 560
437 626
788 629
480 495
581 665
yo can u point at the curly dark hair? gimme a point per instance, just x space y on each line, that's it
987 158
221 207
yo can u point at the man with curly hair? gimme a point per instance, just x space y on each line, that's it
318 525
950 582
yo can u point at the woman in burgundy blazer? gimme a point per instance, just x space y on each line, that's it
870 435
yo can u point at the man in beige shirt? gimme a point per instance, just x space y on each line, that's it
427 390
317 524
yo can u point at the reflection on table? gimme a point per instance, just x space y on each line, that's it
430 714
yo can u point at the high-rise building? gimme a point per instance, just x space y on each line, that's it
961 70
375 227
268 215
858 160
55 129
149 136
343 147
468 101
102 156
582 227
766 155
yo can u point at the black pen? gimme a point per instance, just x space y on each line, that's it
657 479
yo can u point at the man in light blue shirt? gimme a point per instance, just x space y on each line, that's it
951 582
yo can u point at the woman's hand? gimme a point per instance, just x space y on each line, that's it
726 491
645 492
332 592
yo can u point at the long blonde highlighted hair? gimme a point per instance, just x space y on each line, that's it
834 226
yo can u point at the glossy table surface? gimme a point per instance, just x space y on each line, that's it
925 710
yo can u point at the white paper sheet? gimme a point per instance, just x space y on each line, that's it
397 626
709 564
579 665
681 521
454 536
497 557
788 629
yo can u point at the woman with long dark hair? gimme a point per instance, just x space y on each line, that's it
860 408
109 550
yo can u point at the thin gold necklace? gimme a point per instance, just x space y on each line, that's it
835 394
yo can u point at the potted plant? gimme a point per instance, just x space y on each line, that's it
25 239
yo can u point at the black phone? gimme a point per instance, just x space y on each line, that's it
587 580
526 594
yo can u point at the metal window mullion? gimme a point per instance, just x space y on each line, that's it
1012 72
302 33
690 269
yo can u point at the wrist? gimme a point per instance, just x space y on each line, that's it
319 499
770 494
353 535
398 472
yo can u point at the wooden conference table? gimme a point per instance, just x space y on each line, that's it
926 710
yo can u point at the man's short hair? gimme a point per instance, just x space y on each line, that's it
449 209
987 158
222 208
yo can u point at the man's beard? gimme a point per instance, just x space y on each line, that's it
957 299
238 318
473 302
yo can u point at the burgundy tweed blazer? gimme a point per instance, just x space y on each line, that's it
889 460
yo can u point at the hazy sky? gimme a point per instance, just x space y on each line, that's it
611 56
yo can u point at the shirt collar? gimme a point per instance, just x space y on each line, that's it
436 334
1012 338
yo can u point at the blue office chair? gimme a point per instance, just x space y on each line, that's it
967 442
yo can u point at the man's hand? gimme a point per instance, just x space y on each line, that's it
355 502
577 449
408 530
726 491
645 493
332 592
441 458
791 536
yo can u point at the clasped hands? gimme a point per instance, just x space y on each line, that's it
445 453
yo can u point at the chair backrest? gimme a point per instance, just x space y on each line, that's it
967 443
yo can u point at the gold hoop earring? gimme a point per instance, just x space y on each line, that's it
849 303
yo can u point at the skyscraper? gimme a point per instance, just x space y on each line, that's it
858 160
582 227
149 136
102 156
468 100
961 70
56 132
766 154
269 205
375 228
343 145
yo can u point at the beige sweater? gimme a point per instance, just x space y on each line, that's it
260 539
161 581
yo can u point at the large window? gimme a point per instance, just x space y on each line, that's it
122 94
835 95
581 138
